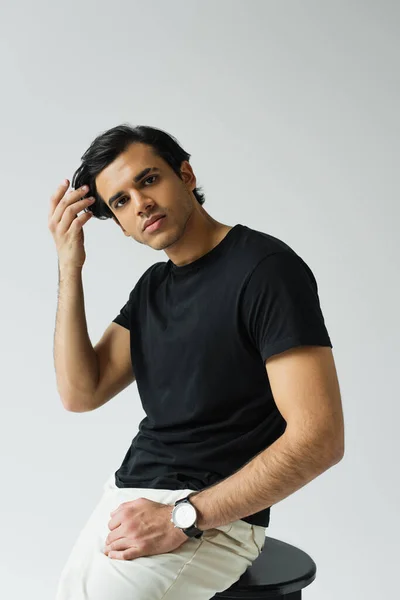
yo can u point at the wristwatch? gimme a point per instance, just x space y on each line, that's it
184 516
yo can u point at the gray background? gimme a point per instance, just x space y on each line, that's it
291 113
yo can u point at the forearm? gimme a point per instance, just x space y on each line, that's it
283 468
74 357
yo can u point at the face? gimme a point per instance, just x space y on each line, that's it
159 191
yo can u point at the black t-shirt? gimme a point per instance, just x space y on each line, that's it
200 335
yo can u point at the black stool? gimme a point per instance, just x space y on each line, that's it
281 571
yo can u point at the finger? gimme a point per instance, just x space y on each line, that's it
117 547
77 223
71 218
56 197
113 536
126 553
70 198
115 521
121 543
117 555
67 199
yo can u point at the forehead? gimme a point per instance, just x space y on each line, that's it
134 159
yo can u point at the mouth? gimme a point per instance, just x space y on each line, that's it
156 225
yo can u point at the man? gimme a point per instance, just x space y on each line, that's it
227 343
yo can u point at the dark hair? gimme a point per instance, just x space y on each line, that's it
108 145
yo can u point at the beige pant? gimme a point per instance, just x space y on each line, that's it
196 570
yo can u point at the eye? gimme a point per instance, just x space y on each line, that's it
118 201
125 198
151 177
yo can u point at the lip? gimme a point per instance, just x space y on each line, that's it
155 224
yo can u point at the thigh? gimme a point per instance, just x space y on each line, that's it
222 556
196 570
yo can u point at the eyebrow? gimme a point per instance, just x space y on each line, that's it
137 178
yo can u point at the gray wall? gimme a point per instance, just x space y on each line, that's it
290 111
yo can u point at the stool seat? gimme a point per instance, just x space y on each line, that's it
281 570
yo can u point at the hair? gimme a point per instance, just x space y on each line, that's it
107 146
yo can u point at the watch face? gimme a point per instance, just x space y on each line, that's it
184 515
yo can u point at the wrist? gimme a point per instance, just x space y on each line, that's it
181 535
68 269
184 517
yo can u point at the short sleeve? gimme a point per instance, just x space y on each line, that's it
123 318
281 307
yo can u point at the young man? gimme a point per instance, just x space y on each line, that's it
233 362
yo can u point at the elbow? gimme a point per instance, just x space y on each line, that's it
339 454
70 408
334 451
338 443
323 449
332 442
336 456
75 405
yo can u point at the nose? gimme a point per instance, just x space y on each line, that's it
141 202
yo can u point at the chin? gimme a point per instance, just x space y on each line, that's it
165 241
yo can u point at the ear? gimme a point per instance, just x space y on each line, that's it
188 177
